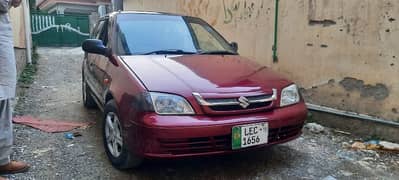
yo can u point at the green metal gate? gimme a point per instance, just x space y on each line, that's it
59 30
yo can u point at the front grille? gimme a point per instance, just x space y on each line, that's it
219 143
238 107
196 145
229 100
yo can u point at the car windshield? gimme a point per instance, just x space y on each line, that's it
144 34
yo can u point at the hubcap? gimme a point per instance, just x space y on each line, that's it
113 135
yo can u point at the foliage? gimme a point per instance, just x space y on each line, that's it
35 55
27 75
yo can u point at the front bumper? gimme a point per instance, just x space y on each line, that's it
184 136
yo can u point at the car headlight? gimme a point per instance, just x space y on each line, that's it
289 95
168 104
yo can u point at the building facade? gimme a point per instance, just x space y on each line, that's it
71 6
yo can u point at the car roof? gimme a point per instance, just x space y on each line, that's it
144 12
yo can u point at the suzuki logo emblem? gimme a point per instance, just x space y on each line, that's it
244 102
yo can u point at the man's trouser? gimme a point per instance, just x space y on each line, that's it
6 136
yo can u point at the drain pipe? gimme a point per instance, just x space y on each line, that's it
28 37
275 57
350 114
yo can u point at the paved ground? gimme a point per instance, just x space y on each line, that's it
56 94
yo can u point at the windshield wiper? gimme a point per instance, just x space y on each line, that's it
219 52
169 51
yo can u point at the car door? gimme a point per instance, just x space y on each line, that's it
95 75
103 62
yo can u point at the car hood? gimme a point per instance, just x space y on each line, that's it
204 74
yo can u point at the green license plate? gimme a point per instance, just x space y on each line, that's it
249 135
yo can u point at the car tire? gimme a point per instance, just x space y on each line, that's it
114 144
88 100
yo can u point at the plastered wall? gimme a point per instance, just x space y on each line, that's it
343 53
17 19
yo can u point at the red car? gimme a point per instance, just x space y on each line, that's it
170 86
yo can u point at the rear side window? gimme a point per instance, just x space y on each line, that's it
103 32
97 28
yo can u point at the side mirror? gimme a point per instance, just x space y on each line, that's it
234 45
96 46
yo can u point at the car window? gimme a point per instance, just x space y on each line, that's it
97 29
206 41
103 32
139 34
144 33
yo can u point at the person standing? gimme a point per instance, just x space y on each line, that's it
8 79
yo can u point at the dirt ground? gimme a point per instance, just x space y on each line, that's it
56 94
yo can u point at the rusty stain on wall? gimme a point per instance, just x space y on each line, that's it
324 46
324 23
198 8
379 91
238 10
316 16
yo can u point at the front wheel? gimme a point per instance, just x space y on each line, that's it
115 145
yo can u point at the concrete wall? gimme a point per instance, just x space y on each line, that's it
344 53
17 19
20 57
